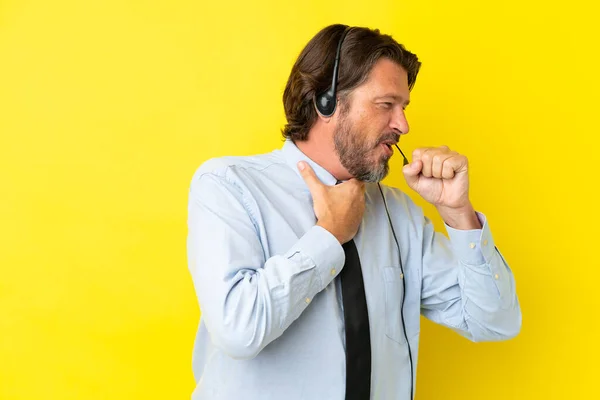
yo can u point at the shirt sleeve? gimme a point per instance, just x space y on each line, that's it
248 301
467 284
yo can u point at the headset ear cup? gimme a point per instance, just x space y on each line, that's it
326 104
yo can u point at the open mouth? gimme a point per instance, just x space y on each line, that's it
387 147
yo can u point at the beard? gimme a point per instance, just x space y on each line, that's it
359 155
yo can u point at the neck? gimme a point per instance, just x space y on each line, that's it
321 149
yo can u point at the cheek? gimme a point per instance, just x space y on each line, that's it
370 124
373 129
367 126
377 119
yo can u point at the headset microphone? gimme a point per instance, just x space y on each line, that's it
405 162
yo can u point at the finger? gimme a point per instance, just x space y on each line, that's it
357 183
447 169
416 154
351 186
309 176
437 164
459 163
412 171
427 159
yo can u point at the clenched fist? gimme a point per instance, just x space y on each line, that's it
441 177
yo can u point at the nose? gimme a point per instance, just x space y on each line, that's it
398 122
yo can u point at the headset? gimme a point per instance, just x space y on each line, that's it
326 104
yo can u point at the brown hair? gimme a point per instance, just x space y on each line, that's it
313 71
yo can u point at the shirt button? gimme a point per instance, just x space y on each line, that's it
485 242
333 271
496 276
307 300
472 245
401 276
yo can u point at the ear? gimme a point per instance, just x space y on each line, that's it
326 103
327 110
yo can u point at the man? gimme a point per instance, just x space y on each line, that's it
311 275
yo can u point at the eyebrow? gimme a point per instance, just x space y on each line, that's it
393 96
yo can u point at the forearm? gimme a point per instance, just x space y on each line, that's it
491 306
487 286
468 286
247 300
246 307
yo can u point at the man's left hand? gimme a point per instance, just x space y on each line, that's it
441 177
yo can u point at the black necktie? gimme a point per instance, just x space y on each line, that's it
356 317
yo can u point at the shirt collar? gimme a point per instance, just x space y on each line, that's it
292 155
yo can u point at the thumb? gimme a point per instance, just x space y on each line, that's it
309 176
411 172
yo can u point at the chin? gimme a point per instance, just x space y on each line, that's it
372 171
374 176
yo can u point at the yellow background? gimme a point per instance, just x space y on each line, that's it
107 108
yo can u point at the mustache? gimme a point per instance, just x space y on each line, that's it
387 137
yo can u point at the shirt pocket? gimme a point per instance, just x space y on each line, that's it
394 282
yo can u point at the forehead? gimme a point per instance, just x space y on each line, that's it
386 78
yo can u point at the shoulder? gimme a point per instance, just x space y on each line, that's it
232 168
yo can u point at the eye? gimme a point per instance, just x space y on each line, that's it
386 104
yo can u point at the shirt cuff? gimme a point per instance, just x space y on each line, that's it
472 246
325 251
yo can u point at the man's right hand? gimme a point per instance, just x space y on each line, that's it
339 208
